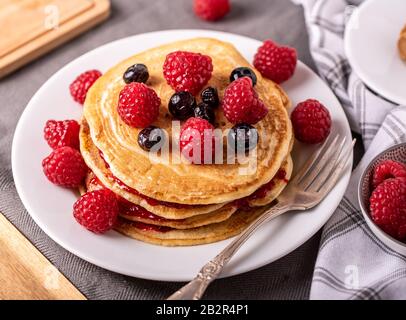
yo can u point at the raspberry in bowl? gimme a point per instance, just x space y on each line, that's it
382 197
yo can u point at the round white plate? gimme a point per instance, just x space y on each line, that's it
371 40
51 206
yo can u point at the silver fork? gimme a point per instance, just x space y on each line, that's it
306 190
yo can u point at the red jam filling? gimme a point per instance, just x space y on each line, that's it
240 203
261 192
150 201
150 227
282 175
96 183
128 209
140 212
133 210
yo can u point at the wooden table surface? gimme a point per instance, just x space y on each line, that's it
41 25
25 273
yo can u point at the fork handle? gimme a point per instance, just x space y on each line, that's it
195 289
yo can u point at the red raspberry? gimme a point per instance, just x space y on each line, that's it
97 211
82 84
275 62
65 167
62 133
138 105
192 136
241 102
386 170
187 71
311 122
211 10
388 207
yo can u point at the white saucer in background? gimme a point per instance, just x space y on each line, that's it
371 40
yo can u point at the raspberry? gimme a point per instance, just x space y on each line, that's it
82 84
138 105
211 10
388 207
311 122
386 170
275 62
241 103
195 135
97 211
62 133
65 167
187 71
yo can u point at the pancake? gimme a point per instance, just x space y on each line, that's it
219 215
190 237
145 216
184 183
98 166
278 184
95 162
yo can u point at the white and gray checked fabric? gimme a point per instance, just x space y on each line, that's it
352 263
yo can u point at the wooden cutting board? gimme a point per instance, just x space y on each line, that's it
30 28
25 273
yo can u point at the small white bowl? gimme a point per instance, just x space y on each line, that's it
396 153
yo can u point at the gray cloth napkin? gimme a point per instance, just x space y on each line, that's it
288 278
352 263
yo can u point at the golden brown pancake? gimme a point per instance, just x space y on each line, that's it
98 166
185 183
202 235
219 215
278 185
96 163
148 217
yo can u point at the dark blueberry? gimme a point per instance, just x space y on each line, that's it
206 112
243 72
150 136
243 137
210 97
181 105
136 73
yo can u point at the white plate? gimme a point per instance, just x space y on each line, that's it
51 206
371 47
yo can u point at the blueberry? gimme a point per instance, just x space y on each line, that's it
181 105
242 137
243 72
150 136
204 111
210 97
136 73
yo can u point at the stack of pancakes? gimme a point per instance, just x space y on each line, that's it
175 204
